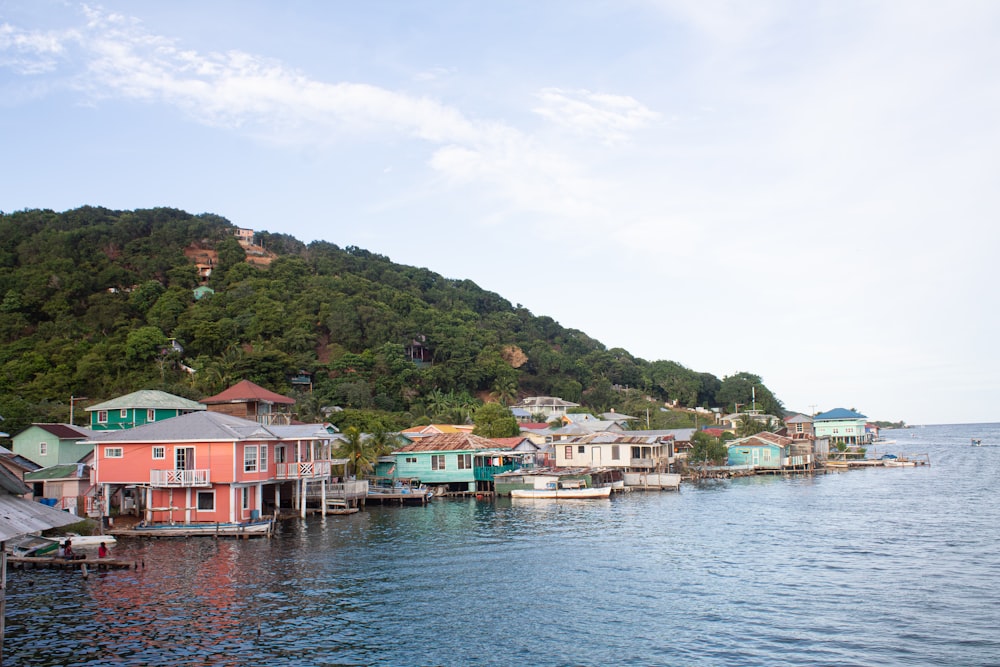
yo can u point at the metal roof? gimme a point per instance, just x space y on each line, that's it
19 516
148 399
204 426
449 442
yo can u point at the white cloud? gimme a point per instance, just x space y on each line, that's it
609 118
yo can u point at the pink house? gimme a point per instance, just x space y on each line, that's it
209 467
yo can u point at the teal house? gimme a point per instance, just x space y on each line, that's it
443 459
761 451
53 444
842 426
140 407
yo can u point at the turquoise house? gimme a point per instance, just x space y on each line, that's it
842 426
443 459
140 407
761 451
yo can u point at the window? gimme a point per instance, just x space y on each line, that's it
569 451
150 415
581 449
206 501
246 497
437 462
123 413
43 448
250 458
263 458
464 461
159 452
102 416
767 455
112 452
616 453
411 459
184 457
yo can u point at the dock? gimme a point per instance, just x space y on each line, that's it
83 564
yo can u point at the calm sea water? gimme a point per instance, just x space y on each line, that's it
877 567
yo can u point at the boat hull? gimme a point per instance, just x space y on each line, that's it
251 529
562 494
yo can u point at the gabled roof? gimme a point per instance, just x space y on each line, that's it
203 426
509 443
838 413
146 399
798 419
446 442
61 471
303 431
545 402
616 438
764 438
66 431
246 391
616 417
678 434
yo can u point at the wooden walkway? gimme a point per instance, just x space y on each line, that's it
83 564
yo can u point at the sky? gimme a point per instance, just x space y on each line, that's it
805 191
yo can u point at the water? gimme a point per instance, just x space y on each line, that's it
868 567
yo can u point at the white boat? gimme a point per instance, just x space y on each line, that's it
262 527
563 493
90 540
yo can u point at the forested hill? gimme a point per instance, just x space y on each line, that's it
92 302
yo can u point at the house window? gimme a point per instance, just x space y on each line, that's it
206 501
250 458
102 416
464 461
437 462
411 459
836 430
799 428
616 453
184 458
767 455
581 449
112 452
159 452
263 458
123 413
150 415
246 497
43 448
569 451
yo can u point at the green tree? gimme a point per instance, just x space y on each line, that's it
493 420
355 448
706 448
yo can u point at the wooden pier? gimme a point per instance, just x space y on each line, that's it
83 564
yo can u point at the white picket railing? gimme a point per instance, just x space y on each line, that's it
302 470
179 478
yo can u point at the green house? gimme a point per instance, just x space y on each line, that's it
842 426
53 444
443 459
138 408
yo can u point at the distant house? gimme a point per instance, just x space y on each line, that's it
769 451
799 427
634 453
842 427
435 429
138 408
53 444
444 459
681 438
548 406
247 400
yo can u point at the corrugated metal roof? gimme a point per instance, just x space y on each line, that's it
19 516
445 442
245 391
203 426
62 471
839 413
146 399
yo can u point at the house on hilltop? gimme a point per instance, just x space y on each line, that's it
247 400
53 444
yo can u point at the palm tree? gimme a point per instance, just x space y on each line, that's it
355 448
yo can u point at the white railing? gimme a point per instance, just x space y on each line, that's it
179 478
302 470
797 461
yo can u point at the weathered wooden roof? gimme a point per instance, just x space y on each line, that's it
443 442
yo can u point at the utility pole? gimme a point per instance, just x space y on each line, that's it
72 401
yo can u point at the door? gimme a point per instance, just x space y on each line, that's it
595 455
184 458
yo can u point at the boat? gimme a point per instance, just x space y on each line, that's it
32 546
260 528
563 493
403 491
976 442
90 540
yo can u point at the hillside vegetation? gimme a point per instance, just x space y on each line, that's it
92 299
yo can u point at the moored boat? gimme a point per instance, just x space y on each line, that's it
563 493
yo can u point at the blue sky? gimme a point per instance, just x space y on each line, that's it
801 190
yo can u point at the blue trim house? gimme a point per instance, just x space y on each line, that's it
842 426
444 459
764 451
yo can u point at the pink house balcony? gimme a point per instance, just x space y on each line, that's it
303 470
179 478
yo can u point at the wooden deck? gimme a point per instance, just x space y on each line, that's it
84 564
